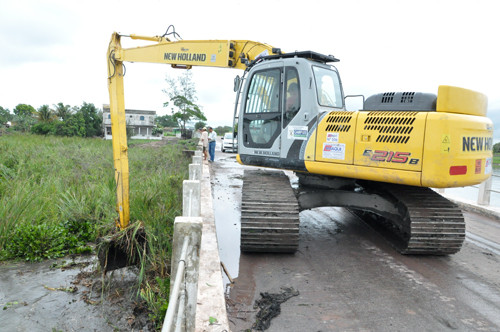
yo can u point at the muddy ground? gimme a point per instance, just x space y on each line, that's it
69 295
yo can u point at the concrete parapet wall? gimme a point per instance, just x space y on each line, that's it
191 202
187 227
210 298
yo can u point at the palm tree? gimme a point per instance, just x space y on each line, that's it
45 113
62 111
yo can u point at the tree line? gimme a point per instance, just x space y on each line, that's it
59 120
86 120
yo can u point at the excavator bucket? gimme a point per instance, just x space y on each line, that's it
124 248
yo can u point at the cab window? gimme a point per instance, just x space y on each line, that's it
292 95
328 87
262 111
263 95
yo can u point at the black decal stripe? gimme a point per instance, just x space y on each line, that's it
293 160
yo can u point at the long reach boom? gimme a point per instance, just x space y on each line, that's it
237 54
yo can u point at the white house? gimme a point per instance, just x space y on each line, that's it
141 122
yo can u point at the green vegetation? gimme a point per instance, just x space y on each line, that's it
496 159
182 97
222 130
48 184
57 196
165 121
61 120
496 154
496 148
5 115
85 121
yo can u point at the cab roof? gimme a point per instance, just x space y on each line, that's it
315 56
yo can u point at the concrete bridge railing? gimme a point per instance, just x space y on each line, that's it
196 293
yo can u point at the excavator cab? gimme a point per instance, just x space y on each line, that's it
282 98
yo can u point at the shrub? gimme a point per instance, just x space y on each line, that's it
37 242
44 241
43 128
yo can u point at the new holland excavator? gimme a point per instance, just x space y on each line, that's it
380 162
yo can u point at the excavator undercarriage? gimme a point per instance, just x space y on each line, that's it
415 220
269 213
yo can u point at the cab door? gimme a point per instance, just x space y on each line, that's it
295 120
260 129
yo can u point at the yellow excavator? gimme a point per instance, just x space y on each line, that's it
380 162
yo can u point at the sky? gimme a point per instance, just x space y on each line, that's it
55 50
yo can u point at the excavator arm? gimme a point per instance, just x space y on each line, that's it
179 54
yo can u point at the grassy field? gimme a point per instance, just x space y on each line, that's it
57 196
496 158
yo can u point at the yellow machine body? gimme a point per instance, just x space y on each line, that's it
450 147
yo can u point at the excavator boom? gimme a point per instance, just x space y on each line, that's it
186 53
179 54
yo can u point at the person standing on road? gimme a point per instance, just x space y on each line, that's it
204 142
212 137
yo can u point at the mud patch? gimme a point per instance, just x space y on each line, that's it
270 307
70 295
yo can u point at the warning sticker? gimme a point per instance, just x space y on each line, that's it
488 166
332 137
478 166
334 151
445 143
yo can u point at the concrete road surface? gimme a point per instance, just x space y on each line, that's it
350 279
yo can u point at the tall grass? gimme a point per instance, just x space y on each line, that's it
52 187
53 180
49 180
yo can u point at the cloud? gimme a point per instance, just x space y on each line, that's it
32 31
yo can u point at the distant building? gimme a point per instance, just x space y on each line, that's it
141 122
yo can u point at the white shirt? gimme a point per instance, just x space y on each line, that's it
204 138
212 136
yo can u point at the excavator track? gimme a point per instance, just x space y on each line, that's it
429 224
269 213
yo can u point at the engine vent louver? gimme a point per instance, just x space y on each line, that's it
388 97
407 97
339 121
401 102
392 127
